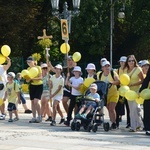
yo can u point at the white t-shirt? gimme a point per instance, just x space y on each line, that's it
3 79
76 82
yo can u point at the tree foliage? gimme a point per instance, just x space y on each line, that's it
22 21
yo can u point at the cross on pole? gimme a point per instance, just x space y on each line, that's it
47 49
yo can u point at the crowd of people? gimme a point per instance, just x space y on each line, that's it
47 90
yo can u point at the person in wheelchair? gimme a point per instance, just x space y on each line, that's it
91 103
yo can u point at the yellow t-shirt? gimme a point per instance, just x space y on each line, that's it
120 71
56 82
98 73
113 94
134 78
37 82
11 93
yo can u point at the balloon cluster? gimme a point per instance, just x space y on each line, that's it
130 95
5 50
32 73
65 48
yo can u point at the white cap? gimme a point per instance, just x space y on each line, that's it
44 65
77 68
58 66
103 59
140 62
105 63
11 74
91 66
123 58
93 86
144 62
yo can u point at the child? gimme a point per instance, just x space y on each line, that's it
74 83
12 92
91 70
89 105
56 85
23 100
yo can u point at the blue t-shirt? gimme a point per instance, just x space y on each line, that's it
94 96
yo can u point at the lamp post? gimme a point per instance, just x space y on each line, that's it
121 15
67 15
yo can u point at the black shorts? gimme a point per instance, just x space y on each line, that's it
35 91
66 94
11 107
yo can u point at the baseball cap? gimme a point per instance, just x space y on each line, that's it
103 59
11 74
44 65
70 57
91 66
105 63
144 62
123 58
77 68
58 66
30 58
93 86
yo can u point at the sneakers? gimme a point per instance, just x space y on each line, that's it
78 115
113 126
62 120
49 119
131 130
83 116
33 120
16 119
10 120
53 123
147 133
128 125
67 123
2 117
39 119
28 111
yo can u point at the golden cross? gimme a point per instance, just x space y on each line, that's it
45 36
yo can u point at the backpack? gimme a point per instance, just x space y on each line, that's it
112 75
16 82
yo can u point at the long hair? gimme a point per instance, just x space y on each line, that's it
126 63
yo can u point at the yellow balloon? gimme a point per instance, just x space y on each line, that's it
2 59
1 101
123 90
82 88
24 73
33 72
131 95
65 48
76 56
140 100
5 50
124 79
88 81
145 94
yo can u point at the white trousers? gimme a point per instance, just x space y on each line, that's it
135 117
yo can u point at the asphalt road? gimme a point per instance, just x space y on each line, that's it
21 135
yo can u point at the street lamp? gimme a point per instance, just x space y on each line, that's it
66 14
121 15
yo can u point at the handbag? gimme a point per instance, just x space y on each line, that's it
1 86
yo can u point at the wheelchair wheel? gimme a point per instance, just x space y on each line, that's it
77 126
89 128
106 126
72 126
94 128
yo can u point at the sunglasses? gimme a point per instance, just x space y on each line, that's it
131 60
44 68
